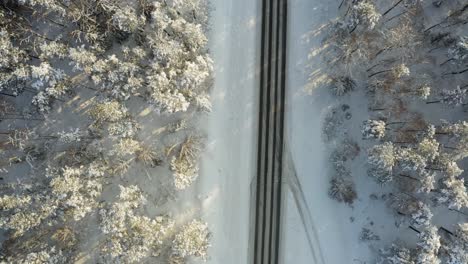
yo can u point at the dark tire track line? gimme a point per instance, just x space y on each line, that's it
270 132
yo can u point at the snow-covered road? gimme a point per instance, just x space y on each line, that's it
316 228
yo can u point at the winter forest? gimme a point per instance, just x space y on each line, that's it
102 139
97 97
399 71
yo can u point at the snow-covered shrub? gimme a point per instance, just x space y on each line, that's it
457 249
185 165
400 71
190 33
50 5
421 214
192 240
148 156
195 73
20 138
70 193
342 190
457 130
171 101
342 85
422 92
183 69
367 235
126 19
74 135
382 159
428 148
203 102
459 52
123 129
453 193
13 69
27 215
82 59
338 162
380 175
427 182
42 101
332 123
66 236
52 49
364 13
396 255
77 195
346 150
131 237
108 111
428 247
451 169
126 146
11 56
349 148
373 129
411 160
8 202
46 255
458 137
454 97
383 156
418 212
121 78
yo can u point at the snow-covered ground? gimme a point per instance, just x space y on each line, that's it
322 232
228 164
316 228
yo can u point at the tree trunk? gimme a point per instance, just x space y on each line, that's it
391 8
409 177
21 118
56 23
446 230
372 67
395 16
381 51
431 50
414 229
445 62
431 27
11 95
445 19
341 4
447 147
433 169
455 72
379 72
458 211
354 28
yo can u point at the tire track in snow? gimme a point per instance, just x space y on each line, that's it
301 204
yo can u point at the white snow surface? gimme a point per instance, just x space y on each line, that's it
228 164
317 229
